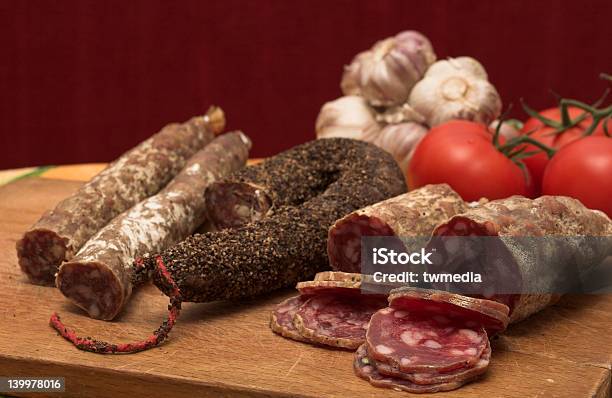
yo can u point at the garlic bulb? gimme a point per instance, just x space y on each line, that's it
401 140
456 88
348 117
400 114
385 74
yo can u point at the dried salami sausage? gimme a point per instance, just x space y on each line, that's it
290 245
413 214
255 192
99 278
533 247
136 175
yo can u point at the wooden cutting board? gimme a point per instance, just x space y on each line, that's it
227 349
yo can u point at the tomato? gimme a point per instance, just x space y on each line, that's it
582 170
544 134
461 154
555 114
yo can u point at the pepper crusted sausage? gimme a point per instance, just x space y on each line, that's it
255 192
98 278
536 247
279 250
413 214
283 248
136 175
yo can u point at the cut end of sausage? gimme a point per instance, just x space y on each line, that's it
450 242
40 252
234 204
93 287
344 240
491 315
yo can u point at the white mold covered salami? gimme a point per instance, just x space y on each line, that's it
528 251
136 175
99 278
413 214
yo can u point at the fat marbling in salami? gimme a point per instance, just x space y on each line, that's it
413 214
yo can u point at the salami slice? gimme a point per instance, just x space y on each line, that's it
462 374
491 315
99 278
413 214
426 342
281 321
329 286
136 175
535 246
337 320
366 368
290 245
429 341
338 276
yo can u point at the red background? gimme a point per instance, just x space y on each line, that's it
82 81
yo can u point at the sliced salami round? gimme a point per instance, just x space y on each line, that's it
424 342
338 276
365 367
461 374
281 321
337 320
474 312
329 286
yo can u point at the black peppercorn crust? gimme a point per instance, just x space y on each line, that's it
290 244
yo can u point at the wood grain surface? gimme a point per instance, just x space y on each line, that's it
226 349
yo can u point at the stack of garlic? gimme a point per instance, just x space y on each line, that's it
396 90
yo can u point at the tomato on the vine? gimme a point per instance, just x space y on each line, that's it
582 170
548 136
555 114
462 154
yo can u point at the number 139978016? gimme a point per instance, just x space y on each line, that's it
32 384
